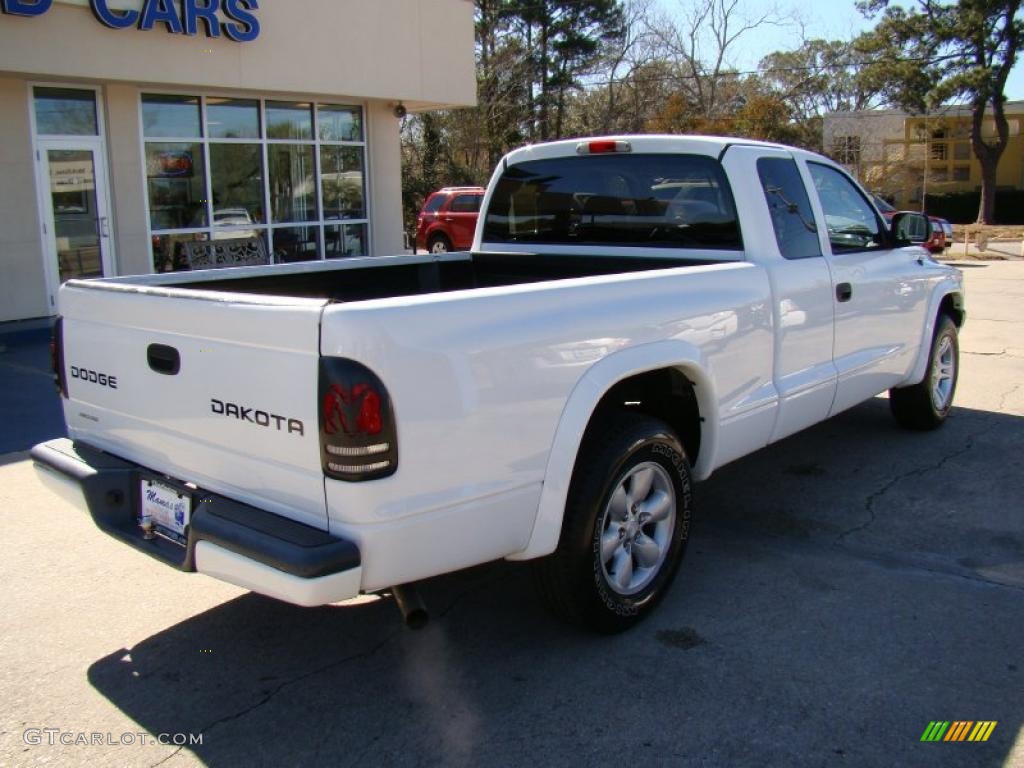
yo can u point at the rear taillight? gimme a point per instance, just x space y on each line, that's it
57 357
358 440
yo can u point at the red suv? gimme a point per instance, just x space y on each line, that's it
448 219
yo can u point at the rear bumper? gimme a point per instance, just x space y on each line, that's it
233 542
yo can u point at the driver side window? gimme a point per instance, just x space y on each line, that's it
852 223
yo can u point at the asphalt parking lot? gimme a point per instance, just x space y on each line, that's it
842 590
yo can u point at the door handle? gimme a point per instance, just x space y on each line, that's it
104 228
844 292
163 359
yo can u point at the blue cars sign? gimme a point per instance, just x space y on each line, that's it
235 19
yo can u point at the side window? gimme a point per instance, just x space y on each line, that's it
434 204
792 218
465 204
852 223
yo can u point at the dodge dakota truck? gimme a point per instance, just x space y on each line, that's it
635 312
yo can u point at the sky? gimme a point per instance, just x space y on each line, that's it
832 20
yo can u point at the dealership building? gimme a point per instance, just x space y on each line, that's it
150 135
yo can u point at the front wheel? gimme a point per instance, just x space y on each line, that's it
927 404
627 522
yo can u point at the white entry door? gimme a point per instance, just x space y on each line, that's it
76 211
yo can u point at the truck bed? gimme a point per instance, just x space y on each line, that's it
363 280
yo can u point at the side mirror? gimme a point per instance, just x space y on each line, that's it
909 228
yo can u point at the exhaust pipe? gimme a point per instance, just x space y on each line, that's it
409 602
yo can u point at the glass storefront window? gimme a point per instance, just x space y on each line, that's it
236 177
296 244
65 112
345 240
255 180
292 182
176 178
173 117
233 118
340 123
170 252
341 182
289 120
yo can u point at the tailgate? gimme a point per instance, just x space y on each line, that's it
215 389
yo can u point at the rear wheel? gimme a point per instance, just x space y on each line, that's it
439 244
927 404
627 522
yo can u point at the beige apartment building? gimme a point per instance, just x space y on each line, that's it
149 135
906 157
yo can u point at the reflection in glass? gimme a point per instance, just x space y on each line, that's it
233 118
228 249
73 193
289 120
236 173
65 112
340 123
166 116
296 244
292 183
177 185
170 251
341 179
345 240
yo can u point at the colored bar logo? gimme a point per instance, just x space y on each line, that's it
959 730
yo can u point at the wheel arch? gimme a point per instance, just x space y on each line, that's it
947 299
633 370
438 232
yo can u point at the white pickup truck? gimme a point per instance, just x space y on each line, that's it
635 312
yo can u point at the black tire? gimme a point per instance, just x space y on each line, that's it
927 404
575 581
438 244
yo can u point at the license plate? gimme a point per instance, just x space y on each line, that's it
167 508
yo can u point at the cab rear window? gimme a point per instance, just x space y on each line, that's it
650 201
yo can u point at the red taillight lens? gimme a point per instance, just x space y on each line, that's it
603 147
358 439
352 411
57 357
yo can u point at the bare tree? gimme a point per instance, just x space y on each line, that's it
635 49
701 40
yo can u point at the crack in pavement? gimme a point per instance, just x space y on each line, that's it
285 684
1006 396
337 663
1005 353
914 561
985 354
911 560
869 502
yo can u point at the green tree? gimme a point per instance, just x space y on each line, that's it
819 77
933 54
563 40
